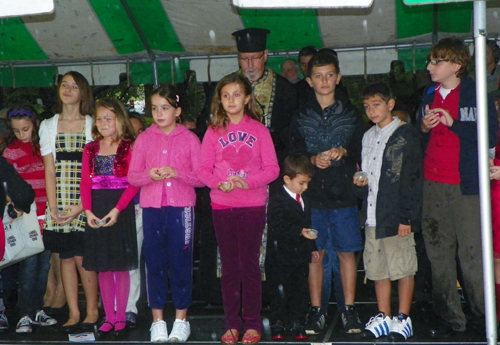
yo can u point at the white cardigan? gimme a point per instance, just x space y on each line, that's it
48 134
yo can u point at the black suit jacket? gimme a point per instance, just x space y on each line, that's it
286 219
20 192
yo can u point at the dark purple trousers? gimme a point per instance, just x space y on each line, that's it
239 236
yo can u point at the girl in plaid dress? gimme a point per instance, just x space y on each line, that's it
62 139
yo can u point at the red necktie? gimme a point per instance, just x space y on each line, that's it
297 197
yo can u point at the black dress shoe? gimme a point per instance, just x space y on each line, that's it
131 319
106 329
119 332
87 326
70 328
278 331
441 329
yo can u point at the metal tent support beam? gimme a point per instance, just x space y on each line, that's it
144 41
484 171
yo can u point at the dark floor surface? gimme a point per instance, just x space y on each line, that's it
207 327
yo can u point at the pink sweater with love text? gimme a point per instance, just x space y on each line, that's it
245 150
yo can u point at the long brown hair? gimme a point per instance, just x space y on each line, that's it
86 98
220 118
124 129
18 112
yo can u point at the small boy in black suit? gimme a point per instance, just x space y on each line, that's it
291 247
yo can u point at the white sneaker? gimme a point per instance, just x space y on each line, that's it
43 319
180 331
24 325
401 327
4 322
379 325
159 332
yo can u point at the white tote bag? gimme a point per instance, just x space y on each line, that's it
22 237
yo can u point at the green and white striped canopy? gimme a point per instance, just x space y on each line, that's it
123 31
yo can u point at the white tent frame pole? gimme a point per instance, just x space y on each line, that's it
484 171
129 59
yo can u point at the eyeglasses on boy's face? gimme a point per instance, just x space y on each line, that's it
434 62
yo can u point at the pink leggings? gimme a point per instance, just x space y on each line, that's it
115 288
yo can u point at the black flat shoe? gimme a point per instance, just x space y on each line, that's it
70 328
103 331
119 332
87 326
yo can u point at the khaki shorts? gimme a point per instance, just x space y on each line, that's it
389 258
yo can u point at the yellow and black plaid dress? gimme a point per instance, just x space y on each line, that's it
68 167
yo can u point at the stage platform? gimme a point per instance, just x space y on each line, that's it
207 328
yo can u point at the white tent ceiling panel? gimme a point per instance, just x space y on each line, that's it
493 18
204 26
98 74
353 63
73 31
348 27
218 68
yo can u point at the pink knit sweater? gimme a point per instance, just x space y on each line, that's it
154 149
244 150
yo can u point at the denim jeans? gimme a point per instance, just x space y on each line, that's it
339 228
33 274
331 266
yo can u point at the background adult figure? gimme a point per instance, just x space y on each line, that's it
275 96
492 59
290 70
492 68
302 86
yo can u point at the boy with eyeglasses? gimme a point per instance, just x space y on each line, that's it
451 221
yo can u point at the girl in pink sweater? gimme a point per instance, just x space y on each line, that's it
164 164
238 161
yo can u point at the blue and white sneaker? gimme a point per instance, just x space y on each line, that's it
24 325
4 322
378 326
401 328
43 319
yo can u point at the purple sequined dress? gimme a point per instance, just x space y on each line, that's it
110 248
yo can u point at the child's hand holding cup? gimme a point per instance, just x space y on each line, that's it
310 234
101 222
225 186
360 178
313 233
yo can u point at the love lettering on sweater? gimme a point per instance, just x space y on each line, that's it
232 138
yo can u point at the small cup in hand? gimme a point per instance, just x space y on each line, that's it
60 213
360 175
101 222
313 233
